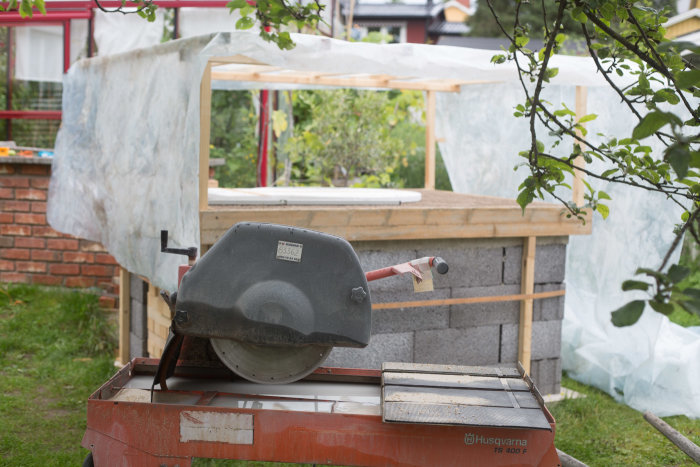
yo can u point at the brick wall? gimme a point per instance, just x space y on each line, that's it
34 253
471 334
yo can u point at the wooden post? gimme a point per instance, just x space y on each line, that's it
349 19
430 140
527 286
204 136
124 315
578 189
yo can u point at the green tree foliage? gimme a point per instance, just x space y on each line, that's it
627 39
233 138
347 136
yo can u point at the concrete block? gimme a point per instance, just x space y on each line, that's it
546 341
382 348
373 257
470 266
547 309
138 289
550 263
409 319
547 375
481 314
468 346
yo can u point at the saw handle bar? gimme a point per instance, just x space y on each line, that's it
411 267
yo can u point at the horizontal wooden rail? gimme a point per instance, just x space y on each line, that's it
468 300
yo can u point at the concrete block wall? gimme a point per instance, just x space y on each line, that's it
472 334
34 253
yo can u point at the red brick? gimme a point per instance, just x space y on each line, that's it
7 193
65 269
97 270
62 244
14 253
30 242
23 230
79 281
25 218
14 182
40 231
26 266
31 194
46 280
41 183
6 169
15 206
13 277
7 265
36 169
7 242
39 206
78 257
103 258
108 302
46 255
7 218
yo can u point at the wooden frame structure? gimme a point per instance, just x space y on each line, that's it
439 215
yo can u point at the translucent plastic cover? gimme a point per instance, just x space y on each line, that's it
651 365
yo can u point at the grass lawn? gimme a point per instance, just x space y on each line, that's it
57 347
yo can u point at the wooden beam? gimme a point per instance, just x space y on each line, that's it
430 140
578 189
467 300
204 136
124 315
527 287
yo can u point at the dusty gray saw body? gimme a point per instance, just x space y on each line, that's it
265 287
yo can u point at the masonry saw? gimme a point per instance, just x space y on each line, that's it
272 301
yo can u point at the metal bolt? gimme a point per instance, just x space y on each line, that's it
358 295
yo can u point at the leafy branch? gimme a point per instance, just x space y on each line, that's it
626 42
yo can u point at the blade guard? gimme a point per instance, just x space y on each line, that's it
269 284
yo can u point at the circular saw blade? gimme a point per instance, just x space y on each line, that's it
271 364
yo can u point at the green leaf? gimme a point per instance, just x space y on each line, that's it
679 158
628 314
525 197
578 15
635 285
41 6
588 118
245 23
677 273
235 4
686 79
603 195
661 307
652 122
603 210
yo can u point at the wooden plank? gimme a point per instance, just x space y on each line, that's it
204 136
442 414
452 381
429 182
467 300
527 286
124 315
502 372
578 188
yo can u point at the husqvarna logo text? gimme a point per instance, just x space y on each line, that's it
511 445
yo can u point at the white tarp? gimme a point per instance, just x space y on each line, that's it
127 160
116 32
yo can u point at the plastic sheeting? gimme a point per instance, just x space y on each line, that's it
116 33
652 365
127 160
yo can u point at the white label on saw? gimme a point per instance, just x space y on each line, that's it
231 428
289 251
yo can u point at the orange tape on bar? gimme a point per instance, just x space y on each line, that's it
467 300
